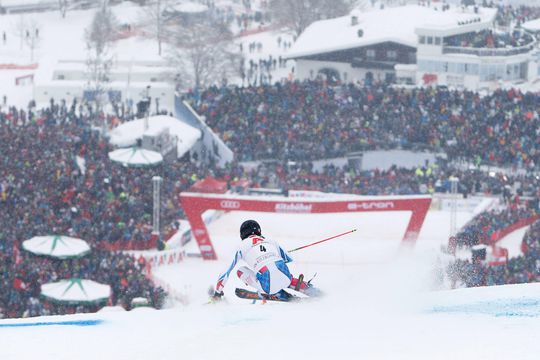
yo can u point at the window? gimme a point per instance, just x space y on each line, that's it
389 78
391 54
500 71
437 41
422 39
370 53
429 40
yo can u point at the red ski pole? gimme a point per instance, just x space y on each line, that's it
323 240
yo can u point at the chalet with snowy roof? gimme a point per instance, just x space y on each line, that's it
414 44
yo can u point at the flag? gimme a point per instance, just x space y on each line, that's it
16 254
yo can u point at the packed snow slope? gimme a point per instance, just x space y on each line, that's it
377 305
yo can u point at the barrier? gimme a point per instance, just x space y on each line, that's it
154 259
24 80
18 67
498 235
157 258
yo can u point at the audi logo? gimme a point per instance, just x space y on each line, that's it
230 204
200 232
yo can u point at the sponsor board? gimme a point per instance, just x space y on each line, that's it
293 207
207 248
199 232
370 205
230 204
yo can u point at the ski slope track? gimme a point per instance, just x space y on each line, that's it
377 305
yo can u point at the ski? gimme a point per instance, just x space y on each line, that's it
252 295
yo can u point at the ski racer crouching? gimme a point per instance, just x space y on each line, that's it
267 269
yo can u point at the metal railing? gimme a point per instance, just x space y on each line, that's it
488 51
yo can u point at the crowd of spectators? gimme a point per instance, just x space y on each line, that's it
313 120
531 242
486 226
508 14
517 270
490 39
429 179
485 229
22 274
56 178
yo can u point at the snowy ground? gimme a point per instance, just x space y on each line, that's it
376 305
56 32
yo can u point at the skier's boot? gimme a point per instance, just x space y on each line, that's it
298 284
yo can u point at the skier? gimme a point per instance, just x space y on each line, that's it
267 269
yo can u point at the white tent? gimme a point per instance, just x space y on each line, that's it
129 132
532 25
76 291
135 156
60 247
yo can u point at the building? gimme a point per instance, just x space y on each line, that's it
24 6
187 12
438 44
129 81
472 54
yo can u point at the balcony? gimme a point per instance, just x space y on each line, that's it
507 51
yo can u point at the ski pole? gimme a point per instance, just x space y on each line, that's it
323 240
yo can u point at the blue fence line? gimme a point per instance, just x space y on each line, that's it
53 323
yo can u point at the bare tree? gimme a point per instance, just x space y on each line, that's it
32 38
299 14
203 54
98 37
28 34
19 30
63 7
155 19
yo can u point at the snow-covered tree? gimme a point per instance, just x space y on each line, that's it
299 14
32 38
203 54
63 7
154 18
99 37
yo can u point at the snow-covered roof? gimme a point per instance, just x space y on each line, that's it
393 24
115 69
532 25
127 134
189 7
26 3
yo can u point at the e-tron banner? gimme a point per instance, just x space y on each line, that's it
196 204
